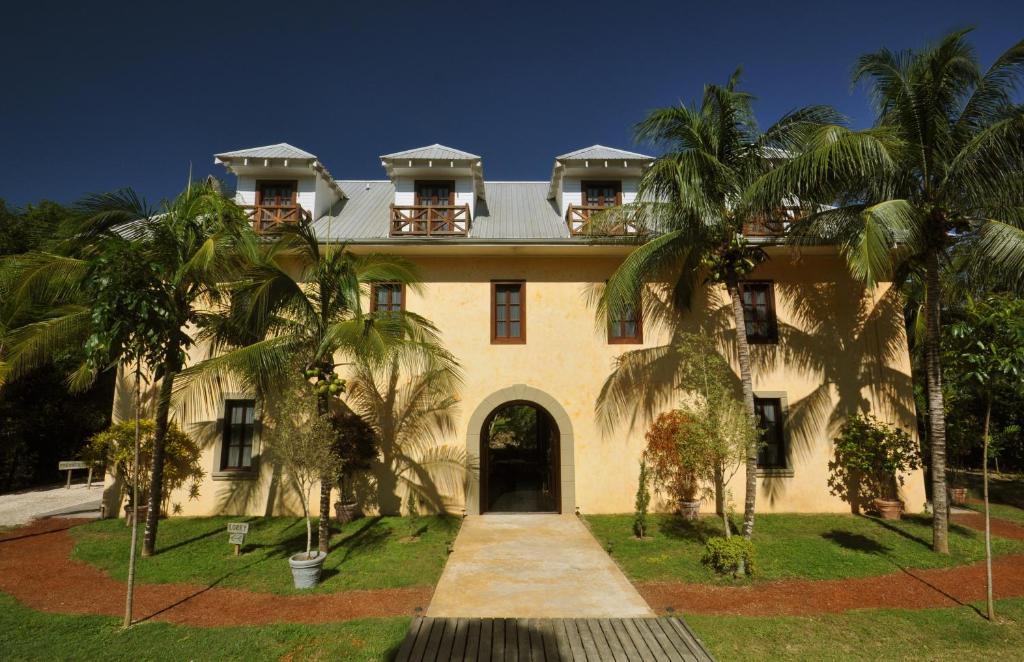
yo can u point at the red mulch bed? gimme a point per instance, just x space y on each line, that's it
36 569
908 589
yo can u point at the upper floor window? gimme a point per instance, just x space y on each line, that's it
759 311
772 454
602 194
625 327
508 312
276 202
435 194
387 297
239 429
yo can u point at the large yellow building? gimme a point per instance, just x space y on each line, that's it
510 271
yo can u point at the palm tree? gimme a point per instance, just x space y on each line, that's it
195 242
300 301
693 199
939 171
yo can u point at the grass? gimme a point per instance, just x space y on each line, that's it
790 546
369 553
875 634
1006 492
31 635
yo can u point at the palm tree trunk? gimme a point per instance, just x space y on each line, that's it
743 349
323 533
988 524
936 406
156 485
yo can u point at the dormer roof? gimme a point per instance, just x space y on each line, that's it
600 152
435 151
278 151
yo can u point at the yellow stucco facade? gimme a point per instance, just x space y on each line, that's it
841 349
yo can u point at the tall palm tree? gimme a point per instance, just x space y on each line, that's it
195 243
940 170
692 199
301 302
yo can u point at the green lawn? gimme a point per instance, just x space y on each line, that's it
26 634
368 553
790 546
877 634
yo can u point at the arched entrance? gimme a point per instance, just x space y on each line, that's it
520 460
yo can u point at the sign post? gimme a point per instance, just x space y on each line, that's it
236 535
71 465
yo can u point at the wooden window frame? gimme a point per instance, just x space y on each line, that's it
635 339
450 183
373 296
229 403
773 320
784 467
601 183
268 183
521 338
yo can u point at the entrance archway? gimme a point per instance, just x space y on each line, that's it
519 460
475 438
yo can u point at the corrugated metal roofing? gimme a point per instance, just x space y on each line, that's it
278 151
601 152
435 151
512 210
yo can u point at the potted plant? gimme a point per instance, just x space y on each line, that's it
356 447
674 469
301 442
870 461
115 447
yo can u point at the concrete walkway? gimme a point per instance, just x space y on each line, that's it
532 566
19 508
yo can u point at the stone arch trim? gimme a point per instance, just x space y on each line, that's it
566 462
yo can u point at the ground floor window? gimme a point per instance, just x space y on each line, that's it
772 454
239 428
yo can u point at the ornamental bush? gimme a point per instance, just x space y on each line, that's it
870 460
730 556
643 501
673 470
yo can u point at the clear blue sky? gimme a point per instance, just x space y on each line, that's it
99 96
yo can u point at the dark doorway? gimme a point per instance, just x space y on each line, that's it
519 461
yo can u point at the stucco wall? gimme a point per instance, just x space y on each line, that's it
840 350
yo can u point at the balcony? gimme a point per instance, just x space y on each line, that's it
775 225
429 221
612 224
265 218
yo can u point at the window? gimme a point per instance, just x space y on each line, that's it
435 194
387 297
508 312
602 194
772 454
759 311
239 426
627 329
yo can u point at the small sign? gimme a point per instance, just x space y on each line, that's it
236 538
236 535
71 464
238 527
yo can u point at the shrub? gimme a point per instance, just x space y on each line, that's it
643 501
729 556
673 470
870 460
115 447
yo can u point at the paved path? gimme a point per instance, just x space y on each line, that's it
20 508
532 566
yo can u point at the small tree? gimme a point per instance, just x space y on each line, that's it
870 460
302 441
643 501
673 470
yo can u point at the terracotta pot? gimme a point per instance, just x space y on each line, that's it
958 495
142 510
889 509
690 510
347 511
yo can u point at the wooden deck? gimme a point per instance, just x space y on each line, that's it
551 639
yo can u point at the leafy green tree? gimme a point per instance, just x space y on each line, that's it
299 300
940 169
986 348
694 201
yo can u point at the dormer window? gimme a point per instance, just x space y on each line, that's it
436 191
435 194
602 194
276 203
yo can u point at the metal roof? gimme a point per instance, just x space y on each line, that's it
278 151
435 151
598 152
511 210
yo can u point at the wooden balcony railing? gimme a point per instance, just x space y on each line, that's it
612 224
771 226
430 221
267 217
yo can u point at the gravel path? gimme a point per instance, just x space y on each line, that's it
20 508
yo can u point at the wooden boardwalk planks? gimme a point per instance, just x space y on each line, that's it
551 640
